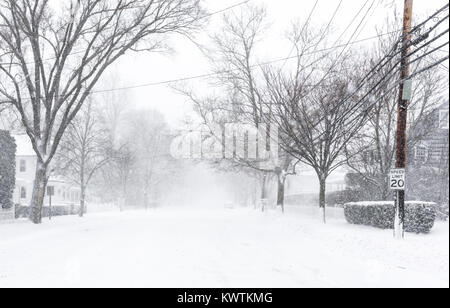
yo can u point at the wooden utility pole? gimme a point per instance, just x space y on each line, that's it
403 102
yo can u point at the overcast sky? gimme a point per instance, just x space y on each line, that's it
144 68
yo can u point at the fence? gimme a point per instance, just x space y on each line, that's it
7 214
58 210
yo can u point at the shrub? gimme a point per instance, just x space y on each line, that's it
7 169
420 216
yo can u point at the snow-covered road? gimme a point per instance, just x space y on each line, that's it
217 248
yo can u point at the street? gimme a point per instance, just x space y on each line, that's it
217 248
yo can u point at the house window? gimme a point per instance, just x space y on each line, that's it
23 165
23 193
50 191
443 119
421 154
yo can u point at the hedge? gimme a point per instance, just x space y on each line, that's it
420 216
7 169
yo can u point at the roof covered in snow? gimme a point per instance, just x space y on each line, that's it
24 147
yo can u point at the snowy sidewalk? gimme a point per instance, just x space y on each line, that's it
240 248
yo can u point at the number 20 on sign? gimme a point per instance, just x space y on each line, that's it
397 179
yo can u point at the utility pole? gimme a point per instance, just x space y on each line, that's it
402 117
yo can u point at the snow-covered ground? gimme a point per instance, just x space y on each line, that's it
217 248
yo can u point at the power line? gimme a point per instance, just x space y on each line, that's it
227 9
425 37
428 53
395 85
392 74
354 109
207 75
441 66
346 45
442 60
323 35
354 19
202 76
417 27
388 56
438 36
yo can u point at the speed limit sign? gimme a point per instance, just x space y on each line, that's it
397 179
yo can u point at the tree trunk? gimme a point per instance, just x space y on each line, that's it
146 191
322 199
281 191
37 199
82 200
264 187
123 200
255 195
82 184
146 202
264 193
386 193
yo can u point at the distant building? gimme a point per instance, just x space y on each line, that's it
433 150
443 117
65 194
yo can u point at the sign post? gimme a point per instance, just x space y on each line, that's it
403 103
397 182
397 179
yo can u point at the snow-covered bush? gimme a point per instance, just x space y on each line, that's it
420 216
7 169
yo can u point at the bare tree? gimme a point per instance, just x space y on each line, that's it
149 133
114 106
83 150
315 119
51 62
123 162
242 89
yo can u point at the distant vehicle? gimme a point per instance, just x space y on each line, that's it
229 206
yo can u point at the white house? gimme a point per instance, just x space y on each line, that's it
65 194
